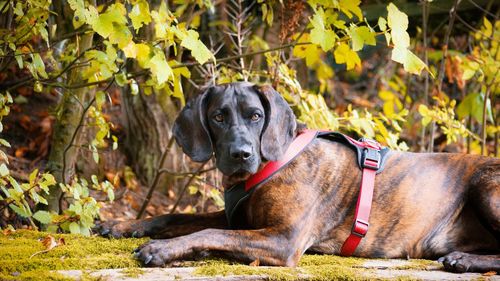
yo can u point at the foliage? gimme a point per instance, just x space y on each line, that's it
142 48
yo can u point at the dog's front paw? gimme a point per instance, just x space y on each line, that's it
156 253
458 262
119 229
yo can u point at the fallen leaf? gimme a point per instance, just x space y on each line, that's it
8 231
49 243
255 263
490 273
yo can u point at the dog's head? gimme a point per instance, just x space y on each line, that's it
241 123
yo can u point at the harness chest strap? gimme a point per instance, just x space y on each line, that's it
370 165
371 162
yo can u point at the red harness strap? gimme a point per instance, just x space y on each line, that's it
371 163
298 144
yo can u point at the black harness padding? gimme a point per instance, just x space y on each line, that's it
236 196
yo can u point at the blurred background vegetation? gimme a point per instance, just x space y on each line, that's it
89 91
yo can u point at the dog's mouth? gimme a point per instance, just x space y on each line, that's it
238 170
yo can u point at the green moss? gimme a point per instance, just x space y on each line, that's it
132 272
79 252
223 269
35 275
419 265
311 260
314 267
94 253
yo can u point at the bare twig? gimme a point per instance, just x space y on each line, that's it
453 14
188 183
156 179
425 17
180 174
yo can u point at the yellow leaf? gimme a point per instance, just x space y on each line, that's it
343 54
361 35
159 67
413 64
130 50
348 6
115 14
488 28
386 95
399 54
321 36
398 22
140 14
142 53
310 52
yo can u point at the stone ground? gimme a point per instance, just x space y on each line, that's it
372 269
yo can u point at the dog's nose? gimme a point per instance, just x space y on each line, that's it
241 153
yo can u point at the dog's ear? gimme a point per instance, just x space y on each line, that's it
280 124
190 129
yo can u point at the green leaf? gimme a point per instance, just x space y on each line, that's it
49 179
103 25
20 211
134 87
4 171
4 143
198 50
111 194
121 35
33 176
121 79
100 99
382 24
325 38
160 69
43 217
472 105
361 35
140 14
52 228
38 87
74 228
413 64
95 153
410 61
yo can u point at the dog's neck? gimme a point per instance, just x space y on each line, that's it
229 181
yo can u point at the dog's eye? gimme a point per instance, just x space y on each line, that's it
255 117
219 118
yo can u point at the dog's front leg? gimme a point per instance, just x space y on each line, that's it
164 226
270 246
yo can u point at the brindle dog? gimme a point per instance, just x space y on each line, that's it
424 205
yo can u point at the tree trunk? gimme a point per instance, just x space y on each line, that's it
66 124
148 128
